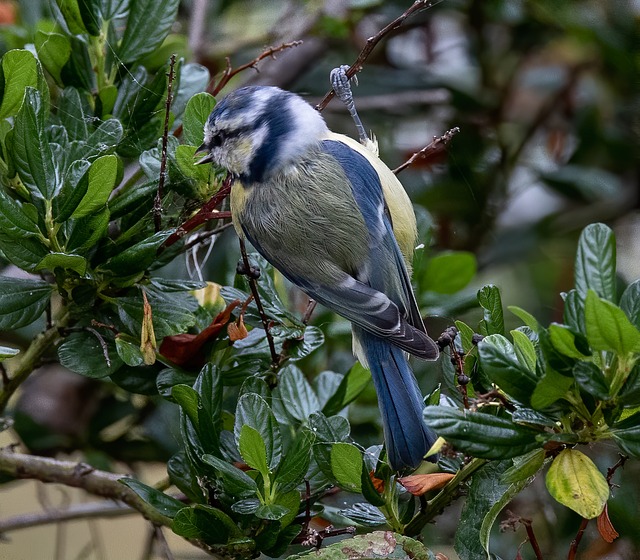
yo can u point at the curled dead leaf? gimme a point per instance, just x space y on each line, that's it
605 527
237 330
378 483
419 484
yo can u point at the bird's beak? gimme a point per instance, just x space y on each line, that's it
206 159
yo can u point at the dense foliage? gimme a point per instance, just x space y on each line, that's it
100 200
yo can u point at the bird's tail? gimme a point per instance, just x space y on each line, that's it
406 435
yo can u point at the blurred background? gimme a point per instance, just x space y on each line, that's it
547 98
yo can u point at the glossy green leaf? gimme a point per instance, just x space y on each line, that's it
608 328
346 465
595 267
189 401
148 24
84 353
54 50
564 341
524 349
574 311
629 394
102 180
297 397
196 114
246 507
351 385
524 466
491 302
71 13
574 481
66 261
294 466
85 233
14 221
481 435
552 387
26 254
22 301
235 482
208 384
160 501
33 157
129 352
449 272
525 316
367 515
19 71
291 502
630 303
91 14
253 411
205 523
627 434
253 450
500 363
137 257
103 139
590 378
271 512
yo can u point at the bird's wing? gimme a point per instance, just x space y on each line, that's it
378 295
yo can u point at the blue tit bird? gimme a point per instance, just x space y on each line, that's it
336 222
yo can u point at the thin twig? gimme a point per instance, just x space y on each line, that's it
435 146
253 285
206 213
157 204
532 537
103 344
612 470
573 550
417 6
309 311
197 239
71 513
230 73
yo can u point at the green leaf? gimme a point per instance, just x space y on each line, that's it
346 466
327 431
630 303
236 483
91 14
294 466
189 401
14 221
160 501
83 353
291 502
22 301
253 411
102 178
33 157
148 24
449 272
486 499
595 267
524 349
85 233
574 311
351 385
574 481
489 299
19 71
271 512
26 254
500 363
481 435
129 352
7 352
103 139
367 515
297 397
65 261
550 388
205 523
138 257
466 335
608 328
524 466
564 341
196 113
627 434
246 507
525 316
71 12
54 50
209 386
253 450
590 378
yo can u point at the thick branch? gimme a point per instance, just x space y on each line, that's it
78 475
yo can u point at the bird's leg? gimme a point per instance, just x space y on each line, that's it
342 89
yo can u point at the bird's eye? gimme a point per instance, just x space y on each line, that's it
217 140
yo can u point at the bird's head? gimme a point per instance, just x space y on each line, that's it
255 132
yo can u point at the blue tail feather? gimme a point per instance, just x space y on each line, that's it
406 435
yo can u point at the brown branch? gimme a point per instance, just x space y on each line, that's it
253 285
78 475
576 541
532 537
78 511
417 6
157 203
437 145
612 470
230 73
